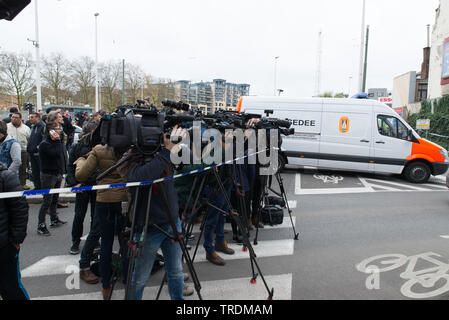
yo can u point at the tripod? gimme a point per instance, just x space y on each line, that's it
136 246
266 183
231 213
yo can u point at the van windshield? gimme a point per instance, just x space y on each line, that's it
392 127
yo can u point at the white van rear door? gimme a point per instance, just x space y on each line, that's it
346 137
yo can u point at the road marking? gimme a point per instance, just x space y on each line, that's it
332 191
286 223
329 179
273 248
420 283
51 265
372 186
301 191
292 204
230 289
435 186
399 185
366 184
445 237
54 265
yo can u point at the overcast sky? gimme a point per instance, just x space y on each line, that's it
236 40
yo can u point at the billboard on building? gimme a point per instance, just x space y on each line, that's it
445 72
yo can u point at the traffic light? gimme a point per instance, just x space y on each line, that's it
9 9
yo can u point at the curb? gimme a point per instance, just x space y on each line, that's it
62 198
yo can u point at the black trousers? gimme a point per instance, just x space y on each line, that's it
81 205
35 170
50 201
11 287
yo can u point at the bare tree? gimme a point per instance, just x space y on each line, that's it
55 75
16 74
134 80
110 80
83 77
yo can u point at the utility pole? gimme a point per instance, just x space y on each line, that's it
96 65
38 62
366 60
361 48
123 83
275 74
318 65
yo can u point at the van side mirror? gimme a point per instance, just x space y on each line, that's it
411 137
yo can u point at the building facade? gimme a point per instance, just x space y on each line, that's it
210 96
439 53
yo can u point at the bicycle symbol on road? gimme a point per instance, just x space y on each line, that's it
329 179
420 284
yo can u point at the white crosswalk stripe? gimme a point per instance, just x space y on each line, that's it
231 289
238 288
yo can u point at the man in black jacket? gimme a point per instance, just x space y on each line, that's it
37 131
13 226
82 149
53 164
161 212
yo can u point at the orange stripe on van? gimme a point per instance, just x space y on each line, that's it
239 106
427 151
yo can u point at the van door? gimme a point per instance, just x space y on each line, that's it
391 145
346 137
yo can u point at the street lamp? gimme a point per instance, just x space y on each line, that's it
275 74
38 60
362 47
96 65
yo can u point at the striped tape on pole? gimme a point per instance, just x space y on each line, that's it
7 195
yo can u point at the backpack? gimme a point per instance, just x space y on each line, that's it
5 152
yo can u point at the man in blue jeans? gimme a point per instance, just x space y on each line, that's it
215 223
162 213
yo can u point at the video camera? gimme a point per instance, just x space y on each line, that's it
141 127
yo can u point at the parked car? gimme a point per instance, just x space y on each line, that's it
447 180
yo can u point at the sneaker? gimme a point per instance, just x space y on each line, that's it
75 249
186 277
42 230
89 277
25 187
214 258
56 222
223 247
187 290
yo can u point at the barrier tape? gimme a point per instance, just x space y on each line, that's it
17 194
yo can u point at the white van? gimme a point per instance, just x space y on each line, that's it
351 134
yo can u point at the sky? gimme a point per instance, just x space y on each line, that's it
236 40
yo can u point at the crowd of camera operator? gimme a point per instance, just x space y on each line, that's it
44 143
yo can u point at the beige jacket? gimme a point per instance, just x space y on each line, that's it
21 134
102 158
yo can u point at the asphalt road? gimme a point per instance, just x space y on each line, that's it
344 220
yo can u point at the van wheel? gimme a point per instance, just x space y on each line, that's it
417 172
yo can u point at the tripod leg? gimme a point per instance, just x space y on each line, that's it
164 280
284 195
